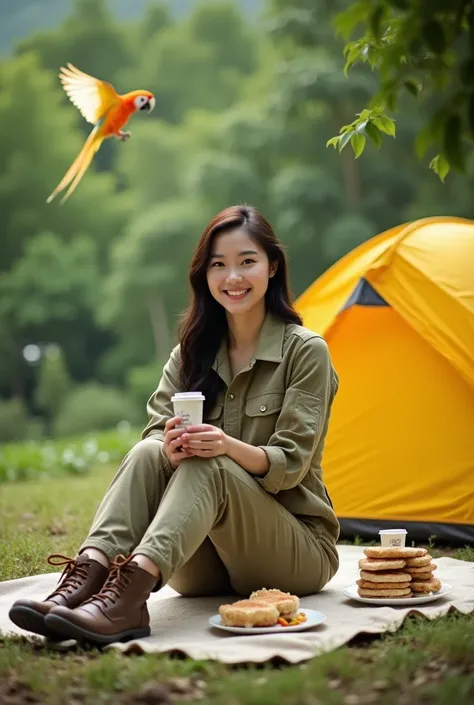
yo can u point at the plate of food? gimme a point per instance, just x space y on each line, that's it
397 576
405 601
266 612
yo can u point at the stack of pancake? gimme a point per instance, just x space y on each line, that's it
396 572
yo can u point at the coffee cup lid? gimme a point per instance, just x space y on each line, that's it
188 396
393 531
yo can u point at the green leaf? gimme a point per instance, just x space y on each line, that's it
412 87
440 166
353 55
358 144
385 124
433 35
333 142
345 139
374 133
452 143
349 19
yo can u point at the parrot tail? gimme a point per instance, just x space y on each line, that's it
79 166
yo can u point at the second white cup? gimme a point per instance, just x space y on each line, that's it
393 538
189 406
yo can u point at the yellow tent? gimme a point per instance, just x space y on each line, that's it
398 316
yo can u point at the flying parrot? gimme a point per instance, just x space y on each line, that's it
105 109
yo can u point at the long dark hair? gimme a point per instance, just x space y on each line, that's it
204 324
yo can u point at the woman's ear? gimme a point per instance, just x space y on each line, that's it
273 269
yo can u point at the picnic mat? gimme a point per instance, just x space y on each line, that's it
180 624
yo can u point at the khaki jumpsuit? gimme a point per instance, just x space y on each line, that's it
209 525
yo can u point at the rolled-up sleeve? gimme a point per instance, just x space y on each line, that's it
159 406
302 419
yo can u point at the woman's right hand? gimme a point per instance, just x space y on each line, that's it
172 442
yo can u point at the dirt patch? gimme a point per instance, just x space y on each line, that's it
14 692
172 690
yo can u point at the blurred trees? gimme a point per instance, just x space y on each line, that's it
53 384
243 114
423 48
358 197
51 258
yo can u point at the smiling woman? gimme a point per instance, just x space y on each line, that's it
236 503
238 274
243 265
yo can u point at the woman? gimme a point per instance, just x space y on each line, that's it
232 505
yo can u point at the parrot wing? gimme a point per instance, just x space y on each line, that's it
90 95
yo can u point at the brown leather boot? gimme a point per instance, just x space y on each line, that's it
117 613
80 579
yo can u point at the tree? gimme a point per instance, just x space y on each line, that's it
49 295
89 37
323 205
37 145
51 281
155 18
152 165
148 277
424 49
312 81
53 383
198 63
223 27
240 117
47 249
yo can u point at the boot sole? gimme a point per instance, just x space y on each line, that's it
73 631
30 620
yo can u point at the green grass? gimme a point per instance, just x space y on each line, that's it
47 516
37 460
424 663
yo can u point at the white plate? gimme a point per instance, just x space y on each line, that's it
352 593
313 618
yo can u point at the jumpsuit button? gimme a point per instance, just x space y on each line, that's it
263 407
231 396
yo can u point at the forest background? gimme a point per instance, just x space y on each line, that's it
248 93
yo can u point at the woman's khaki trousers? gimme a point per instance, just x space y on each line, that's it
209 526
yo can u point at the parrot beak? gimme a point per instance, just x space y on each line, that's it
151 104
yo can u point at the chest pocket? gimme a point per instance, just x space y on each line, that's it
264 404
261 415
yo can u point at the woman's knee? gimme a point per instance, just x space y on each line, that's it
220 463
146 453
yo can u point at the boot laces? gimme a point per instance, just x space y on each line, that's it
116 583
73 575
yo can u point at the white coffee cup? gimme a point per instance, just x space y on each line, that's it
393 538
189 406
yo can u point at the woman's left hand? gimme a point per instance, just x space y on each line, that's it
205 441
